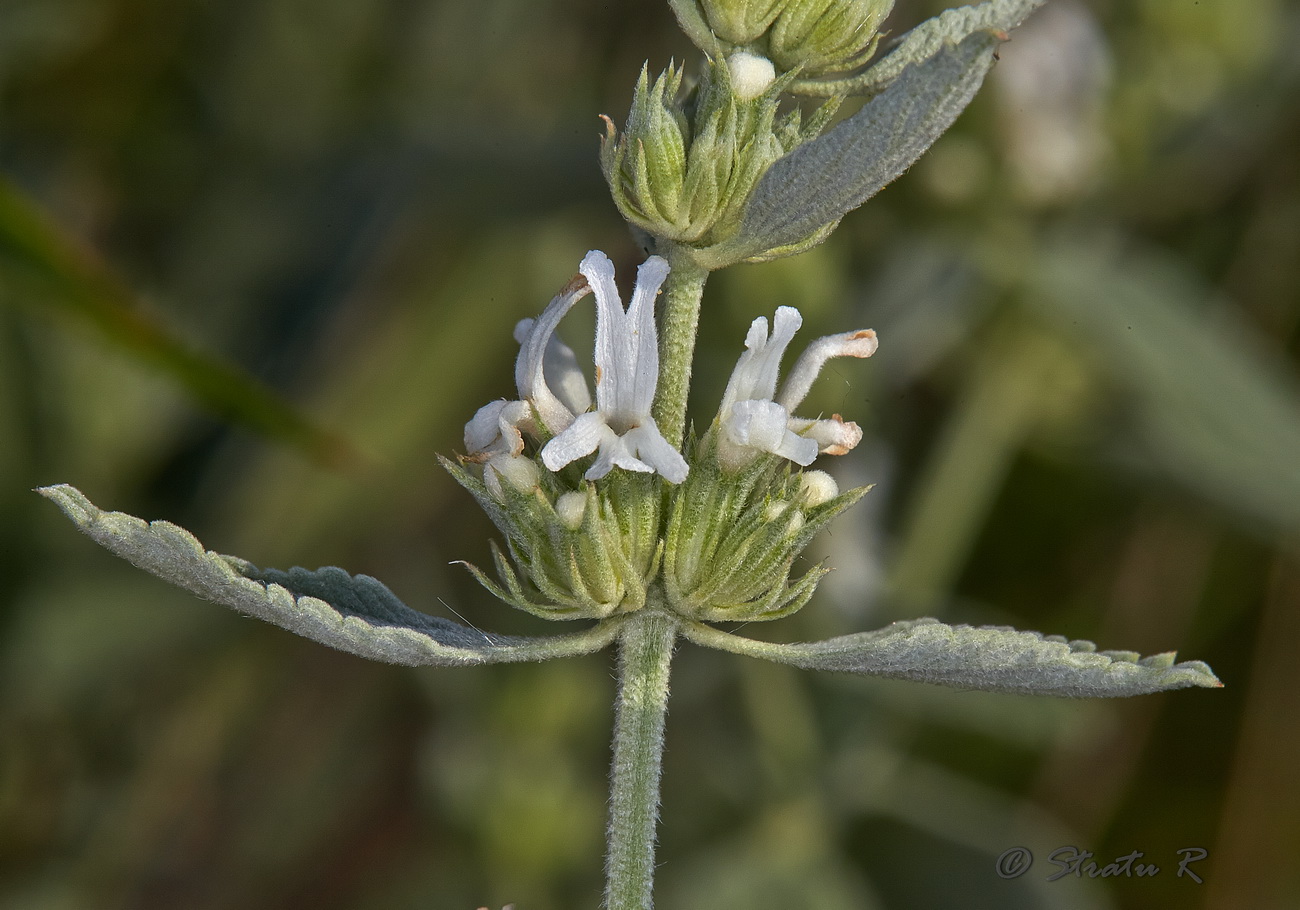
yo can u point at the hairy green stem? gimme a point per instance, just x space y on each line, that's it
645 653
681 319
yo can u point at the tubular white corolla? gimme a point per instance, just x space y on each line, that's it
621 429
753 418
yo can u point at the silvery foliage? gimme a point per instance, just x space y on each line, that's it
359 615
916 90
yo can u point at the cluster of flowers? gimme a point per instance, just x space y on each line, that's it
591 534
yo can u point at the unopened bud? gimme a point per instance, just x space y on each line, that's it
751 74
571 507
774 510
740 21
816 488
827 36
520 473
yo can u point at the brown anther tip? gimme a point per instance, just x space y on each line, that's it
576 283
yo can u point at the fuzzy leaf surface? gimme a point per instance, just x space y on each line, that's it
353 613
919 90
988 658
949 27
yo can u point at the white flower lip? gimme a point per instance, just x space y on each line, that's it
553 390
753 418
497 428
494 429
621 429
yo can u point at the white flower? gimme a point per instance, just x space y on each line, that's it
543 361
753 418
621 429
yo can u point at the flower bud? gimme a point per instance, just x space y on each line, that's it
733 537
825 37
740 21
817 488
571 507
520 473
751 75
808 39
683 169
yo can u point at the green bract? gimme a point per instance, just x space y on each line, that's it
733 537
684 167
815 38
583 553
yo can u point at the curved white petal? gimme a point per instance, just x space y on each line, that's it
616 452
763 426
582 437
530 367
649 445
755 374
495 428
756 424
833 436
627 345
560 369
798 381
483 429
650 277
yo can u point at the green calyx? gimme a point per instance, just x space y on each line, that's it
685 165
826 37
723 549
577 550
732 537
813 38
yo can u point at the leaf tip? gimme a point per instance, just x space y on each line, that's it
71 500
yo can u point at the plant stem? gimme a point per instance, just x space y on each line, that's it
645 654
681 319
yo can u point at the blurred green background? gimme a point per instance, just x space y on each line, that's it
259 262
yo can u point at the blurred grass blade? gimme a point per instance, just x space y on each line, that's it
984 658
357 614
42 266
1213 407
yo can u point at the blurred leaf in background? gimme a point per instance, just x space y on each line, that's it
1087 421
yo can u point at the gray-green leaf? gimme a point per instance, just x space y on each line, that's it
356 614
820 181
931 36
992 659
919 89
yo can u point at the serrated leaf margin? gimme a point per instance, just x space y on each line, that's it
985 658
353 613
